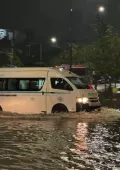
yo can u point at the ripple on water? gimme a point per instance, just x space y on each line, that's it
96 146
59 145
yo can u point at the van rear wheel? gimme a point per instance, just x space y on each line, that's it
58 108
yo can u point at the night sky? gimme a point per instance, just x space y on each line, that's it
51 17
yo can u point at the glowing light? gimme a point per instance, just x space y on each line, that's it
53 40
101 9
61 69
80 100
83 100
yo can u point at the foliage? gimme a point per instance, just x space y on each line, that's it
106 56
101 28
15 60
104 53
78 55
4 59
7 58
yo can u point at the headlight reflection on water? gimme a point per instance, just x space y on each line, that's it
81 146
59 144
96 147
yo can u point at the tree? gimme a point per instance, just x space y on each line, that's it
15 60
78 55
4 59
7 57
103 54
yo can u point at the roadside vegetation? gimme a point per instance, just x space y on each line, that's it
102 55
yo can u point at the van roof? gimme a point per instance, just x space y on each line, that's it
20 70
25 68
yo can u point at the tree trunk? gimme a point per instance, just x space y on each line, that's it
115 83
105 92
110 88
95 86
105 86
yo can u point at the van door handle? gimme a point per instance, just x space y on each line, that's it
52 92
42 92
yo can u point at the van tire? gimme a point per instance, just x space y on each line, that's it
58 108
1 109
99 109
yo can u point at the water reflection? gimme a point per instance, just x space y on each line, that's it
96 146
34 145
104 145
81 146
59 144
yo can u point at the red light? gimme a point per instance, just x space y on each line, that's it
90 86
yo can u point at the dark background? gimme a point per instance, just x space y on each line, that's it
51 17
35 21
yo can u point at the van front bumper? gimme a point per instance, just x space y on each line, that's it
89 106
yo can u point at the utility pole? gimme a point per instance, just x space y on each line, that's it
41 53
12 48
70 34
29 50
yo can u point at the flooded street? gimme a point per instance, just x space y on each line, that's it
59 144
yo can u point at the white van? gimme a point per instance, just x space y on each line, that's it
44 90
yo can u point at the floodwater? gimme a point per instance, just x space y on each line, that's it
59 144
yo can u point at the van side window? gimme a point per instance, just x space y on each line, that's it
24 85
12 84
21 84
37 84
31 84
41 83
2 84
59 83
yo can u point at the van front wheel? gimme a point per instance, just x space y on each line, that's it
58 108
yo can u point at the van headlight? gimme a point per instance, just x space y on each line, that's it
79 100
83 100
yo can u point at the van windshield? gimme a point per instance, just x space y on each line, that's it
77 82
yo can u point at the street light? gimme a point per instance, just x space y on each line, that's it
101 9
70 34
53 40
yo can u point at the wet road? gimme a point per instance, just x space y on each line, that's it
59 144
